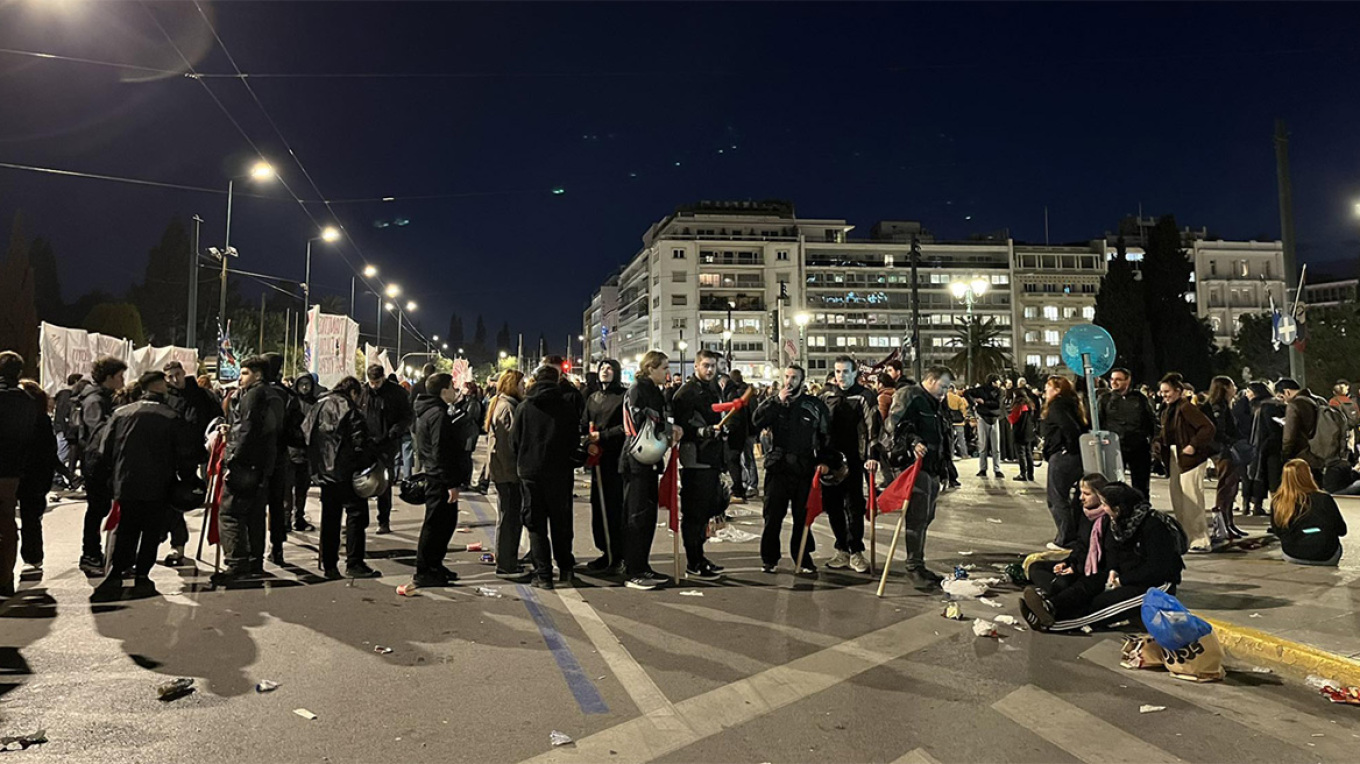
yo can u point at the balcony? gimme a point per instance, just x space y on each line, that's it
742 302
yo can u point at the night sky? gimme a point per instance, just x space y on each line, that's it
969 117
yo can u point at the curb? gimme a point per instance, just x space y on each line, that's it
1282 656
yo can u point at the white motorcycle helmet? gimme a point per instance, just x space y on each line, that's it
648 447
370 482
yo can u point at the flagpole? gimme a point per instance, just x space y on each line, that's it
802 548
892 549
873 522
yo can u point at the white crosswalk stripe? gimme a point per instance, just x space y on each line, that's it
1084 735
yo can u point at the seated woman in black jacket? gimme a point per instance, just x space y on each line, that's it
1140 549
1307 520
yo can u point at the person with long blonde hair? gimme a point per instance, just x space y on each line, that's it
502 468
1062 422
1305 518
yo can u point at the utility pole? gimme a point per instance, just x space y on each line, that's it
191 315
916 310
1291 272
260 347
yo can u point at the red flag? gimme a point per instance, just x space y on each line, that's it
814 504
669 491
872 509
897 494
115 514
216 481
593 452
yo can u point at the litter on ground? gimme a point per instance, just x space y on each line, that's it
691 593
266 685
305 714
487 591
985 628
990 602
733 535
1145 709
380 650
175 690
559 738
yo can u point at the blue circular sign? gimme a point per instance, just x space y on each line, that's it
1091 340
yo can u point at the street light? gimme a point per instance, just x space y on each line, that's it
802 319
328 234
683 347
369 272
261 171
969 291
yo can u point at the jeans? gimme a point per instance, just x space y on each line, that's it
1064 472
639 522
1187 500
1024 455
732 457
989 444
406 460
920 513
606 509
178 528
509 527
959 439
1229 477
137 539
548 517
31 509
700 492
441 519
845 505
750 474
338 499
783 488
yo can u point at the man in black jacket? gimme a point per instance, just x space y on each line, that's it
196 409
1128 413
66 424
96 406
917 428
19 422
854 432
603 419
736 432
251 455
545 436
701 461
443 426
279 493
388 412
148 449
800 428
985 400
338 447
304 388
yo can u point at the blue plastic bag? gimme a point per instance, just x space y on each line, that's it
1170 624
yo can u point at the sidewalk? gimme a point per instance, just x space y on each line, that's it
1295 620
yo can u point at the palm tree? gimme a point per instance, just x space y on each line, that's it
983 337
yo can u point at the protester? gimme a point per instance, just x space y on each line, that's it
19 424
958 410
148 451
1140 550
737 435
279 489
887 386
701 453
1085 556
1185 444
251 456
1062 422
572 392
66 423
43 464
799 426
387 409
196 410
741 437
603 419
339 446
504 474
854 433
1128 413
644 404
1228 477
986 403
1267 442
545 437
96 406
304 389
917 429
1306 519
444 428
1023 417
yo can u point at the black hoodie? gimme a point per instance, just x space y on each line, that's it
545 434
304 393
441 436
604 412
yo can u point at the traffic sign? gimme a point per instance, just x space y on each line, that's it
1092 341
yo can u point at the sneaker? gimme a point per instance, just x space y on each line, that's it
302 525
518 576
92 564
175 558
771 569
228 577
331 574
276 556
1019 478
31 569
1200 549
1052 547
923 580
383 529
807 570
703 573
998 474
422 582
542 583
566 576
598 564
955 484
1039 606
361 570
839 560
643 582
716 568
982 473
858 563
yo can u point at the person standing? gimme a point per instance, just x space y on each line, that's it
444 426
387 408
1222 391
545 435
338 448
304 390
148 450
800 433
1185 444
701 458
644 404
19 423
1300 424
917 429
249 457
1267 442
737 437
1127 413
96 406
956 406
43 464
854 431
986 402
1063 421
504 474
196 409
603 419
1023 417
66 423
279 491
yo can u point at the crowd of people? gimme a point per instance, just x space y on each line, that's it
153 448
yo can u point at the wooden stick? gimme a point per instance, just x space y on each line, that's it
892 549
802 548
604 518
873 527
675 537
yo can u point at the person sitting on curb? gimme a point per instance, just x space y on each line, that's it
1306 519
1052 575
1140 549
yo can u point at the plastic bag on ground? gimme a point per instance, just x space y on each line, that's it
1169 623
559 738
968 588
733 535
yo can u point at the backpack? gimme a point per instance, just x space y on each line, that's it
1177 530
1328 442
1352 413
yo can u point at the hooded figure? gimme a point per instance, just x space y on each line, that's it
304 396
545 438
603 419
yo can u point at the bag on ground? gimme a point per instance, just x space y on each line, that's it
1167 620
1140 652
1199 661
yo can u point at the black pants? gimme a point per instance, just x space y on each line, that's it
606 518
1024 453
242 527
547 516
385 498
700 493
31 509
785 488
441 519
844 505
136 541
732 456
1064 472
178 528
1137 455
302 480
509 527
1084 601
97 506
639 522
279 501
338 499
920 513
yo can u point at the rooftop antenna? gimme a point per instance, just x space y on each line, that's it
1046 225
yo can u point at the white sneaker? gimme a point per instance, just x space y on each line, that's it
839 560
29 569
858 563
1052 547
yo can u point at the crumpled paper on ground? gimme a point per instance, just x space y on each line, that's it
968 588
985 628
733 535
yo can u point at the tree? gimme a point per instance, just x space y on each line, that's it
1254 349
1333 346
479 336
455 331
1180 340
983 336
116 319
503 337
18 309
162 296
46 282
1121 312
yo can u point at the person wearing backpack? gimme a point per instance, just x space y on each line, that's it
1341 400
1313 431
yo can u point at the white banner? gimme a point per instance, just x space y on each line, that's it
63 352
331 341
154 359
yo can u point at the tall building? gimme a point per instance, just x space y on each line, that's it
1329 294
1234 279
1055 288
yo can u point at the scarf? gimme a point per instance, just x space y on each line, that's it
1093 550
1126 525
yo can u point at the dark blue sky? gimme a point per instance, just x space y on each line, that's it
970 117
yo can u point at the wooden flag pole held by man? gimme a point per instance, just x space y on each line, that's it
897 495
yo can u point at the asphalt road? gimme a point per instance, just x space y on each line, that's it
756 668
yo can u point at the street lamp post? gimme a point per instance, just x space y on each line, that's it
968 291
328 234
802 320
683 346
369 272
261 171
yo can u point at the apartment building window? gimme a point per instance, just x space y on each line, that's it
1033 360
710 280
1069 312
817 341
679 299
656 279
1051 312
1213 267
679 276
677 254
711 325
1031 336
888 260
1267 269
1088 313
1031 312
1052 361
782 255
748 326
1246 269
656 301
678 323
880 342
1051 337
